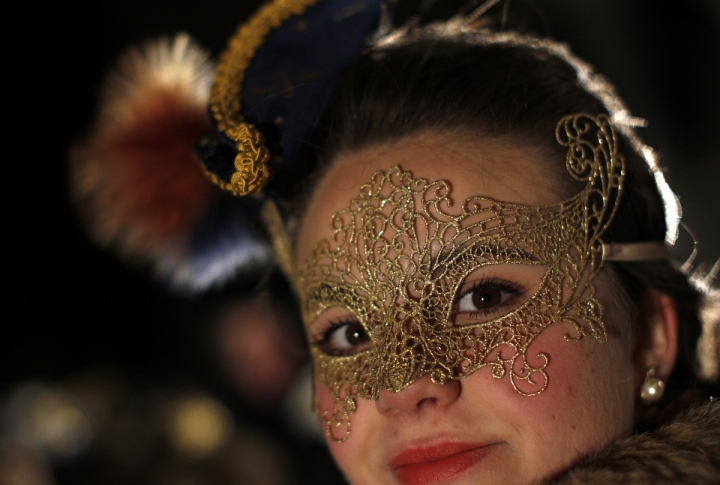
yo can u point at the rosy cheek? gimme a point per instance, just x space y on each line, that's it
587 397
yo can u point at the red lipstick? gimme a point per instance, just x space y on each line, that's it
421 466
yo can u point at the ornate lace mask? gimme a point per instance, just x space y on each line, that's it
401 250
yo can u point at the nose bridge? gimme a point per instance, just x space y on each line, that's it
408 370
402 354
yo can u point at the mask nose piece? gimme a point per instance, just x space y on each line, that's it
401 356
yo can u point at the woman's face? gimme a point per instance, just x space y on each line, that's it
478 429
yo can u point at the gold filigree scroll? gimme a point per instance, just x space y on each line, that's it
402 248
251 162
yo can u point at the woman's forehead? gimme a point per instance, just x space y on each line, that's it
493 168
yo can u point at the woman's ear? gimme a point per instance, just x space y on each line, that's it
657 344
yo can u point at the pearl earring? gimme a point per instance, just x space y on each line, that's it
652 388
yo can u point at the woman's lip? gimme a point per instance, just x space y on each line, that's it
424 465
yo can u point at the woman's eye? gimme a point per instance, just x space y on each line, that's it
481 299
486 299
345 339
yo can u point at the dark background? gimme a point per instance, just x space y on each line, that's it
68 306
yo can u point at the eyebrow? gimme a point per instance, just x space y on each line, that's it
448 256
332 293
448 253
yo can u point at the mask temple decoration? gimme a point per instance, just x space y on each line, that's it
402 248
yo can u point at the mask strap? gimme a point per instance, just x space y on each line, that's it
634 252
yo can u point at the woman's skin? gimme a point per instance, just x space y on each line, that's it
505 437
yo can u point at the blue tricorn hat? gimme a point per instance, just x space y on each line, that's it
272 88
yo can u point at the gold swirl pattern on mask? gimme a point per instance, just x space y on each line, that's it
401 249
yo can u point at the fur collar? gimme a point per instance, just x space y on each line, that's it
684 451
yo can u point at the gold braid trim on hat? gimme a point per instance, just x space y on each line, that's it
251 163
402 249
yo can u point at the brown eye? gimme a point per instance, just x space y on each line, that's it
345 339
355 334
484 298
487 298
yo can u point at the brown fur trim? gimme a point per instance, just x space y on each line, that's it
135 177
685 451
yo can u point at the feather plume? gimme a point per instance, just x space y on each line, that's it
135 178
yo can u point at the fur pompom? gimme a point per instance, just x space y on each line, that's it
135 177
685 451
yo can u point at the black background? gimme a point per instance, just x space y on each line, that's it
67 305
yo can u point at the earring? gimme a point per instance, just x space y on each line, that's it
652 388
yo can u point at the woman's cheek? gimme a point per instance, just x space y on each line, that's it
324 401
325 405
353 456
587 404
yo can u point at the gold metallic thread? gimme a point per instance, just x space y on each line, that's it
251 163
402 248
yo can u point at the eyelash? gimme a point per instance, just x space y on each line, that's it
513 289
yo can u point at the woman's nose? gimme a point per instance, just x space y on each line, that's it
419 395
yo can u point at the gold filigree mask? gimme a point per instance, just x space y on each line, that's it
401 250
